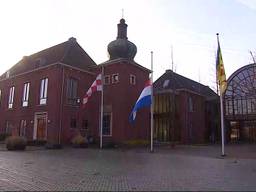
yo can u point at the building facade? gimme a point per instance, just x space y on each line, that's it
185 111
40 96
240 105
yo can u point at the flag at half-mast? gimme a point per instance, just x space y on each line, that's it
96 86
221 76
144 100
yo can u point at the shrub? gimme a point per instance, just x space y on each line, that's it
3 136
79 142
16 143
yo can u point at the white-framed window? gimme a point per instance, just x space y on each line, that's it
25 95
132 79
106 79
8 127
107 124
115 78
43 91
166 83
23 126
72 88
11 97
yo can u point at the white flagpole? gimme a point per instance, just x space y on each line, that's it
222 125
221 109
101 107
152 107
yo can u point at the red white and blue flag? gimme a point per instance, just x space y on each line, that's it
143 101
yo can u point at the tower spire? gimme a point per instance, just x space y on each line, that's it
121 47
122 30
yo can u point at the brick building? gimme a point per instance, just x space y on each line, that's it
185 111
40 96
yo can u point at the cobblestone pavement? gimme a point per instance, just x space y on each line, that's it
180 168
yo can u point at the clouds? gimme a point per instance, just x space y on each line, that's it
248 3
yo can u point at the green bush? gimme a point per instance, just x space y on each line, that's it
3 136
79 142
16 143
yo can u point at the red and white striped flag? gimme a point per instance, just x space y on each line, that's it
96 86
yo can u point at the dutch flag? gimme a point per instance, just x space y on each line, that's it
143 101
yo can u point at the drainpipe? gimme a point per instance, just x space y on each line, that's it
61 106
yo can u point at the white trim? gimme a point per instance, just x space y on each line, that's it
11 97
43 91
25 96
113 78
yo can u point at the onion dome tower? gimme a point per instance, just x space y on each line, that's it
121 47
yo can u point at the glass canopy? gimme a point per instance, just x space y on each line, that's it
240 95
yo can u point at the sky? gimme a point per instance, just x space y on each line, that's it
188 27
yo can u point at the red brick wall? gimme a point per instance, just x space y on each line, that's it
19 113
193 126
122 97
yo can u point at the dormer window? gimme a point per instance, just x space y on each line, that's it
39 62
166 83
7 74
115 78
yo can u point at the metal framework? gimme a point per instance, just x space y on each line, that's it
240 96
240 104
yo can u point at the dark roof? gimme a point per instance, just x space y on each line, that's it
68 52
171 80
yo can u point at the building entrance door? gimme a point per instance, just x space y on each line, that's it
40 126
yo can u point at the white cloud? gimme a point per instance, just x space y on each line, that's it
248 3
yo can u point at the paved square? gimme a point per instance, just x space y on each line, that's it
179 168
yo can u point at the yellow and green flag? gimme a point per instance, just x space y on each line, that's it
221 76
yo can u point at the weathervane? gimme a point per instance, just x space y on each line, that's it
122 13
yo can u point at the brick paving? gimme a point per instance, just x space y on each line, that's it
180 168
